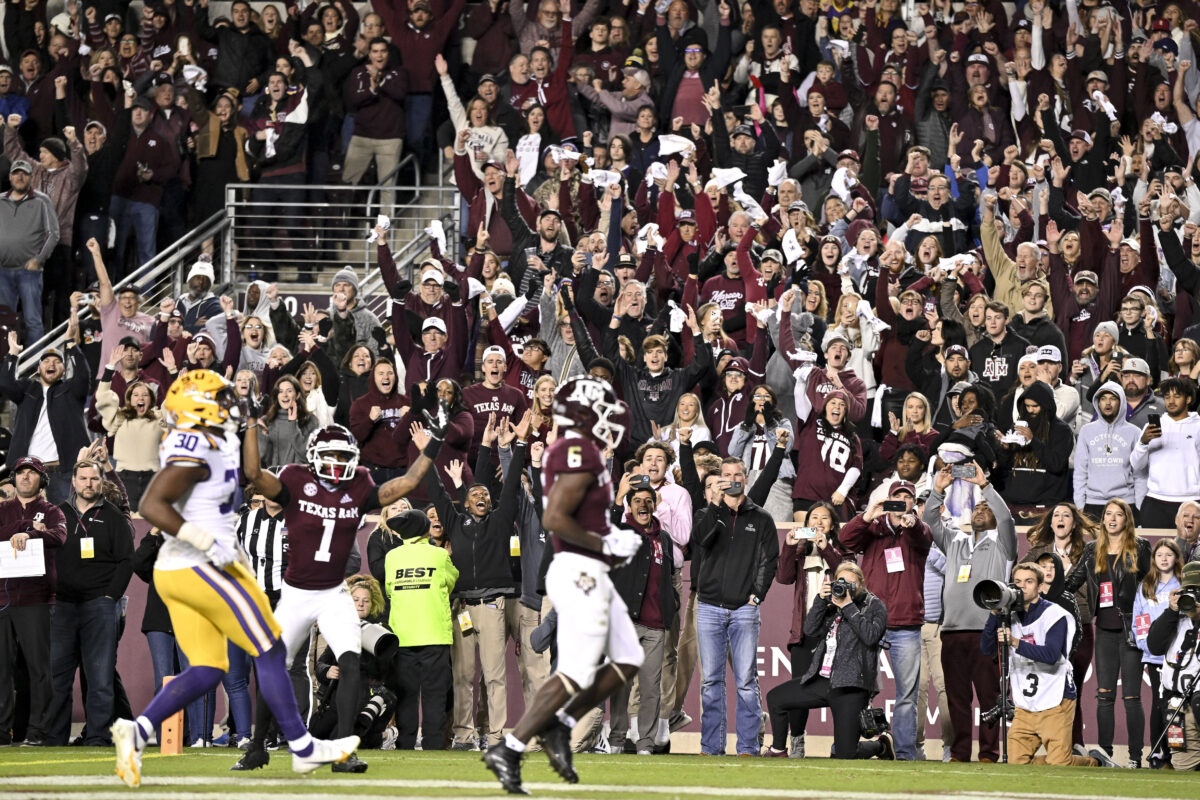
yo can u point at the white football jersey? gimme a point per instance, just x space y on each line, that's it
210 503
1037 686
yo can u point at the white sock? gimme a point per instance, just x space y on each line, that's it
513 743
142 725
301 745
566 719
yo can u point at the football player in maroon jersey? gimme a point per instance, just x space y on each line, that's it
324 503
578 491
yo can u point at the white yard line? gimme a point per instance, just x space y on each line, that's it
305 787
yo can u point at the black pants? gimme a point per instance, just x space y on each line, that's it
1113 656
801 653
425 680
817 693
27 628
135 484
1158 513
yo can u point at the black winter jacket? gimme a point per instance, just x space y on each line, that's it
480 547
739 554
65 400
632 580
862 627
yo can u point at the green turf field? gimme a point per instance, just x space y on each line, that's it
87 774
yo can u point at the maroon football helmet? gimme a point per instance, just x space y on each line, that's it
591 407
332 453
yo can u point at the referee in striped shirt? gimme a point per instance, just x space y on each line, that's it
261 534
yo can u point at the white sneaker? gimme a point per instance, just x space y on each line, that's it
129 755
325 752
390 735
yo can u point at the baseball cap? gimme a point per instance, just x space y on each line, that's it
1087 276
957 350
494 351
434 322
738 364
798 205
1137 365
902 486
30 462
1098 75
978 58
486 77
130 341
773 255
21 165
1102 193
743 130
1189 577
143 103
625 261
1049 352
834 336
548 212
686 217
1082 135
51 352
850 154
110 17
433 275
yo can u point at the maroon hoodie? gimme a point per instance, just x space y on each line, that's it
377 438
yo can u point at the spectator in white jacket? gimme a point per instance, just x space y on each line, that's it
1170 451
857 323
485 141
1102 455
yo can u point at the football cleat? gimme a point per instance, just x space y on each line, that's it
556 741
324 752
129 755
506 764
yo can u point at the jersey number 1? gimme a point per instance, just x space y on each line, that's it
323 553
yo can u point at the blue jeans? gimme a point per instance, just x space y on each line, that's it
905 655
139 218
418 109
169 660
720 631
24 286
237 686
84 635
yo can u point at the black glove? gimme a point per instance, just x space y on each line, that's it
453 290
750 412
437 425
535 284
693 262
403 288
416 398
566 292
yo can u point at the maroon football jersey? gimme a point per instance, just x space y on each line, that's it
321 525
572 453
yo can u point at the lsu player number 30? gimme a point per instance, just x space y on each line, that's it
211 596
578 492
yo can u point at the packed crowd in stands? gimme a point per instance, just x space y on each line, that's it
845 247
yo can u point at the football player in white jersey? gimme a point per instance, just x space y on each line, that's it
1044 694
211 596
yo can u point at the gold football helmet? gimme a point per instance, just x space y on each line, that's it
201 398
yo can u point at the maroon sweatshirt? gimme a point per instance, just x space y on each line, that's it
378 113
902 591
377 438
17 518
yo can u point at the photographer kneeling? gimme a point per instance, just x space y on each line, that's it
1176 635
848 623
1043 689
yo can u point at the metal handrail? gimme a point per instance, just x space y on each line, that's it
167 260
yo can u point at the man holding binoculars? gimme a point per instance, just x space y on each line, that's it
1039 634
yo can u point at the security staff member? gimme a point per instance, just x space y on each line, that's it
25 602
94 568
420 577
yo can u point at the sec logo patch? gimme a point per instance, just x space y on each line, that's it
310 489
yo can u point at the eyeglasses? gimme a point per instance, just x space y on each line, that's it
696 50
254 327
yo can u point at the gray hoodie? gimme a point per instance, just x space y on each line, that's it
1102 454
970 560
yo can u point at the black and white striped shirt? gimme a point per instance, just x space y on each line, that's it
264 538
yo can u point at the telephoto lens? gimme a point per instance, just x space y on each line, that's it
1188 600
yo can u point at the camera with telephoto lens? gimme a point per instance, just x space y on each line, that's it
997 596
841 588
992 715
1189 599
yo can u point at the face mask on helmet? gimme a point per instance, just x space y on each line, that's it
332 454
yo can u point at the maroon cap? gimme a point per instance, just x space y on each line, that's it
851 154
686 216
1161 24
919 185
738 364
31 462
957 350
902 486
